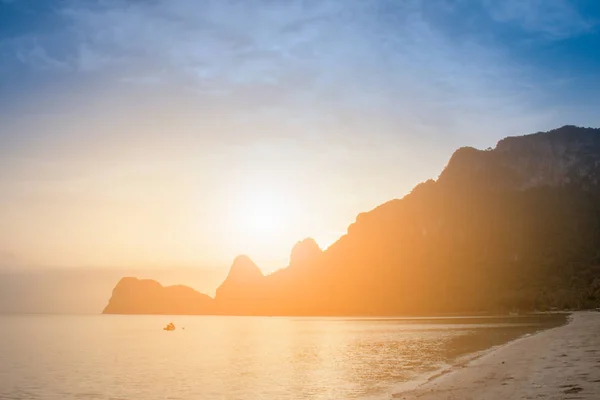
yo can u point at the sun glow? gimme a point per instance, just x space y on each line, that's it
263 214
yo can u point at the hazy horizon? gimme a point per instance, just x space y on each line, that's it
87 290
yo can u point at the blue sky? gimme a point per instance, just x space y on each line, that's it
455 56
535 53
356 101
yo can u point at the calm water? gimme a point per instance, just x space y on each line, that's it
131 357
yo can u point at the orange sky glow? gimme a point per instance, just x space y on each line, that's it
107 184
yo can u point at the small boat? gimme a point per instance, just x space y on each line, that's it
170 327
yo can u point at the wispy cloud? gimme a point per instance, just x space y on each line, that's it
368 55
330 58
215 43
555 19
34 54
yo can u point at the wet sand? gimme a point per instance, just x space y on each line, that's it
560 363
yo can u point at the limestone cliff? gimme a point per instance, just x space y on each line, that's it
558 158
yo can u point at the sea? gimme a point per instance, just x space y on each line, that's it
67 357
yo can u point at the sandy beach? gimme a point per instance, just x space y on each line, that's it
560 363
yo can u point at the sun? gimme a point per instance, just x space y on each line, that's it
263 213
263 218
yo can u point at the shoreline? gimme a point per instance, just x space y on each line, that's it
465 359
549 364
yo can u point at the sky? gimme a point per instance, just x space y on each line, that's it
185 132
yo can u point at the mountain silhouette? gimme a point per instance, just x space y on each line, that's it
242 288
305 253
516 227
146 296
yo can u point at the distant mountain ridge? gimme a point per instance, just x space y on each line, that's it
146 296
516 227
